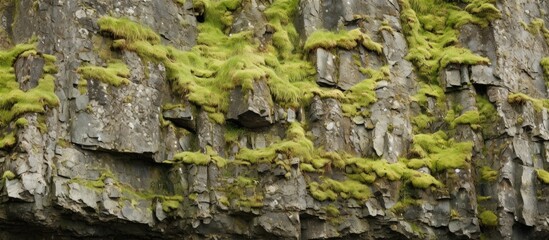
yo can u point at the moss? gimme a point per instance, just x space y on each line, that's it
330 189
439 153
296 145
8 175
543 175
545 65
521 98
221 62
537 26
343 39
422 121
470 117
488 174
431 29
127 29
198 158
13 101
404 204
116 73
332 210
488 218
170 205
483 198
360 96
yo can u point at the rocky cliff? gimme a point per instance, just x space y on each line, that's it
274 119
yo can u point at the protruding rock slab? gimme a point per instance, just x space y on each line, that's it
252 109
181 117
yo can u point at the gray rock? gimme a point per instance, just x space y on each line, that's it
325 68
181 117
252 108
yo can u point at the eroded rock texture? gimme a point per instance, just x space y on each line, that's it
279 119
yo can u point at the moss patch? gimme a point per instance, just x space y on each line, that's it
198 158
439 153
343 39
543 175
13 101
521 98
8 175
116 73
488 218
220 62
488 174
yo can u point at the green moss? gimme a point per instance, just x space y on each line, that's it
422 121
404 204
8 175
13 101
545 65
332 210
488 218
221 62
432 28
296 145
439 153
116 73
521 98
543 175
170 205
8 140
470 117
330 189
127 29
488 174
537 26
360 96
343 39
198 158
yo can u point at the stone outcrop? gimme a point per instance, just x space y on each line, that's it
211 119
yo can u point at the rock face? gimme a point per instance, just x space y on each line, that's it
283 119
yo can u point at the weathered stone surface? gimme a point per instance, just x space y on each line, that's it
93 167
252 108
325 67
181 116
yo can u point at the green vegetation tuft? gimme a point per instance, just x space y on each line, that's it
488 218
198 158
13 101
343 39
543 175
360 96
545 65
521 98
439 153
127 29
116 73
432 28
330 189
8 175
221 62
470 117
488 174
